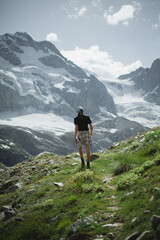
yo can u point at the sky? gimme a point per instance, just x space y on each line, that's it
107 37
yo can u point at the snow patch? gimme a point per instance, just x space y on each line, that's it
46 122
5 146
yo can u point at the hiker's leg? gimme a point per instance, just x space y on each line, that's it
87 153
88 156
81 156
80 152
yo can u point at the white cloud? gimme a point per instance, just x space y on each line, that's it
124 15
77 12
157 25
82 11
52 37
99 62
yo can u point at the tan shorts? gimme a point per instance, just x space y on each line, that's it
84 138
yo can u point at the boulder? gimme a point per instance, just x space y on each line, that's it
145 236
82 222
155 220
133 236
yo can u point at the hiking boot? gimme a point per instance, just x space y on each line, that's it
82 163
88 165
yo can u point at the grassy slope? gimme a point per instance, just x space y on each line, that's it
131 172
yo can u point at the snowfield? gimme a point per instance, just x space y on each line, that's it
39 121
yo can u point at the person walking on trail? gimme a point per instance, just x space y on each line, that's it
82 135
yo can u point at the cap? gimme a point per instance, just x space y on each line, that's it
79 108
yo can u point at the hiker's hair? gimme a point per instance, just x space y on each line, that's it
80 112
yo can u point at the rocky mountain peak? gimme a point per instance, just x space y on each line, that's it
24 39
156 65
132 74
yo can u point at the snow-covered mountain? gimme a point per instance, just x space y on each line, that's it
137 95
39 92
35 76
148 80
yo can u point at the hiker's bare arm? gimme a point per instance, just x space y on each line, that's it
75 133
91 129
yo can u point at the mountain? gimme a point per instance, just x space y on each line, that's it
51 197
147 80
137 95
38 88
35 76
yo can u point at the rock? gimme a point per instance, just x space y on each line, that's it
74 164
54 171
2 216
19 185
113 225
133 236
82 222
7 184
109 216
151 199
99 237
94 157
18 219
58 184
14 172
5 208
14 187
50 162
129 193
9 214
107 179
156 189
16 205
145 236
31 191
155 220
147 211
110 235
54 219
134 219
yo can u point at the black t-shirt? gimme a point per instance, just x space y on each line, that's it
82 122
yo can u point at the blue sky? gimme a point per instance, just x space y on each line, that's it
109 37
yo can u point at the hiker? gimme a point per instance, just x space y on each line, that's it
82 135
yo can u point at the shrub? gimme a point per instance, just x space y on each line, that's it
127 181
83 176
87 188
122 168
130 179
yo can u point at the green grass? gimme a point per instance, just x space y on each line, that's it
48 213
